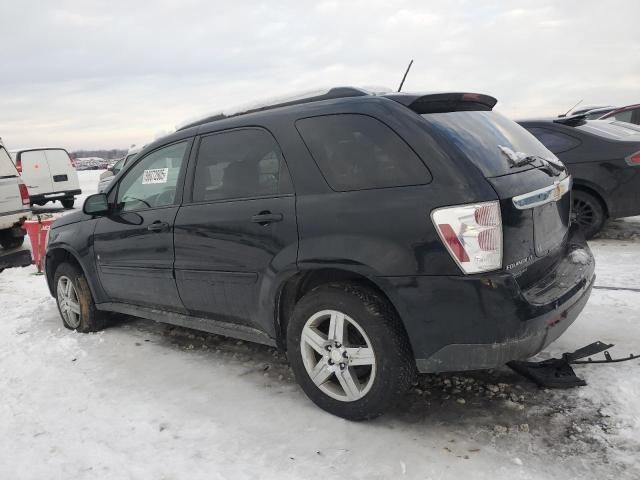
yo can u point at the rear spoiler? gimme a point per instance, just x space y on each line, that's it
572 121
444 102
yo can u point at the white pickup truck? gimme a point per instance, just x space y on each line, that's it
14 203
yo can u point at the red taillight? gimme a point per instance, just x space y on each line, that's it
472 234
19 165
634 159
24 194
73 164
451 239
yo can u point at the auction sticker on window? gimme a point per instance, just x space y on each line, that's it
155 175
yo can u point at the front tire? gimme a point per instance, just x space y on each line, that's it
348 351
588 212
75 303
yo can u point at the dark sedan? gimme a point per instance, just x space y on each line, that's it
604 159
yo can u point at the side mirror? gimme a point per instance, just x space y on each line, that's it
96 205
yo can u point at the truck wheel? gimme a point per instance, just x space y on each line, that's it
68 203
75 303
7 240
588 212
348 351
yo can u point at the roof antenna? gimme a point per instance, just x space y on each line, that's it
405 75
567 112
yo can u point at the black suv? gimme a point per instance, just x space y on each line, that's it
365 235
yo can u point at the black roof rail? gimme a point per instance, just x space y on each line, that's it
572 121
333 93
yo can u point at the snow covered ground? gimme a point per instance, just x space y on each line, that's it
145 400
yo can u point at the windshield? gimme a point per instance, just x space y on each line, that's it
478 135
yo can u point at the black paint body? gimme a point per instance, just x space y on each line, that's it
213 265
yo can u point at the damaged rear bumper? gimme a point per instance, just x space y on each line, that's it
480 322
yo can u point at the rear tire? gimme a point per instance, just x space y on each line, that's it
589 212
363 374
75 302
7 240
68 203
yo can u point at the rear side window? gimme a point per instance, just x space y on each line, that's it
623 116
239 164
555 141
357 152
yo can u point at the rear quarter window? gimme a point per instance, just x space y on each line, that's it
358 152
555 141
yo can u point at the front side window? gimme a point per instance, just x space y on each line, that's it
357 152
555 141
239 164
152 182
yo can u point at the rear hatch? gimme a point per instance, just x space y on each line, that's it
63 174
10 200
533 191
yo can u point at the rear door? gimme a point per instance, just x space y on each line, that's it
237 227
134 245
35 172
63 174
10 200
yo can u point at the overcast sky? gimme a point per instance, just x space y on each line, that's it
106 74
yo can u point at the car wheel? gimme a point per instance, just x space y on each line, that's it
348 351
68 203
588 213
7 240
75 303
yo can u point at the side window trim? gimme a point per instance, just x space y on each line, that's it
193 163
114 192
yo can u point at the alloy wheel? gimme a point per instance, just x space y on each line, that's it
68 302
338 355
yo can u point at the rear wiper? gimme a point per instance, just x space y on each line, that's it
519 159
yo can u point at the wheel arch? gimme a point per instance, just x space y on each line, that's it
590 188
58 255
299 284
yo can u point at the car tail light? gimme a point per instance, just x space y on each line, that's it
73 164
24 193
19 164
634 159
472 235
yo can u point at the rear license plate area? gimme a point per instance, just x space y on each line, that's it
60 178
551 225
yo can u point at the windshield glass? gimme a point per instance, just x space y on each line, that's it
478 136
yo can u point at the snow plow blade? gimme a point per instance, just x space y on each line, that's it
557 372
15 258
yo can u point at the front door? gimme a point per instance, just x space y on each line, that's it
134 245
238 228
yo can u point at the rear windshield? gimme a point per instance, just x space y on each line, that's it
478 135
6 165
612 130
